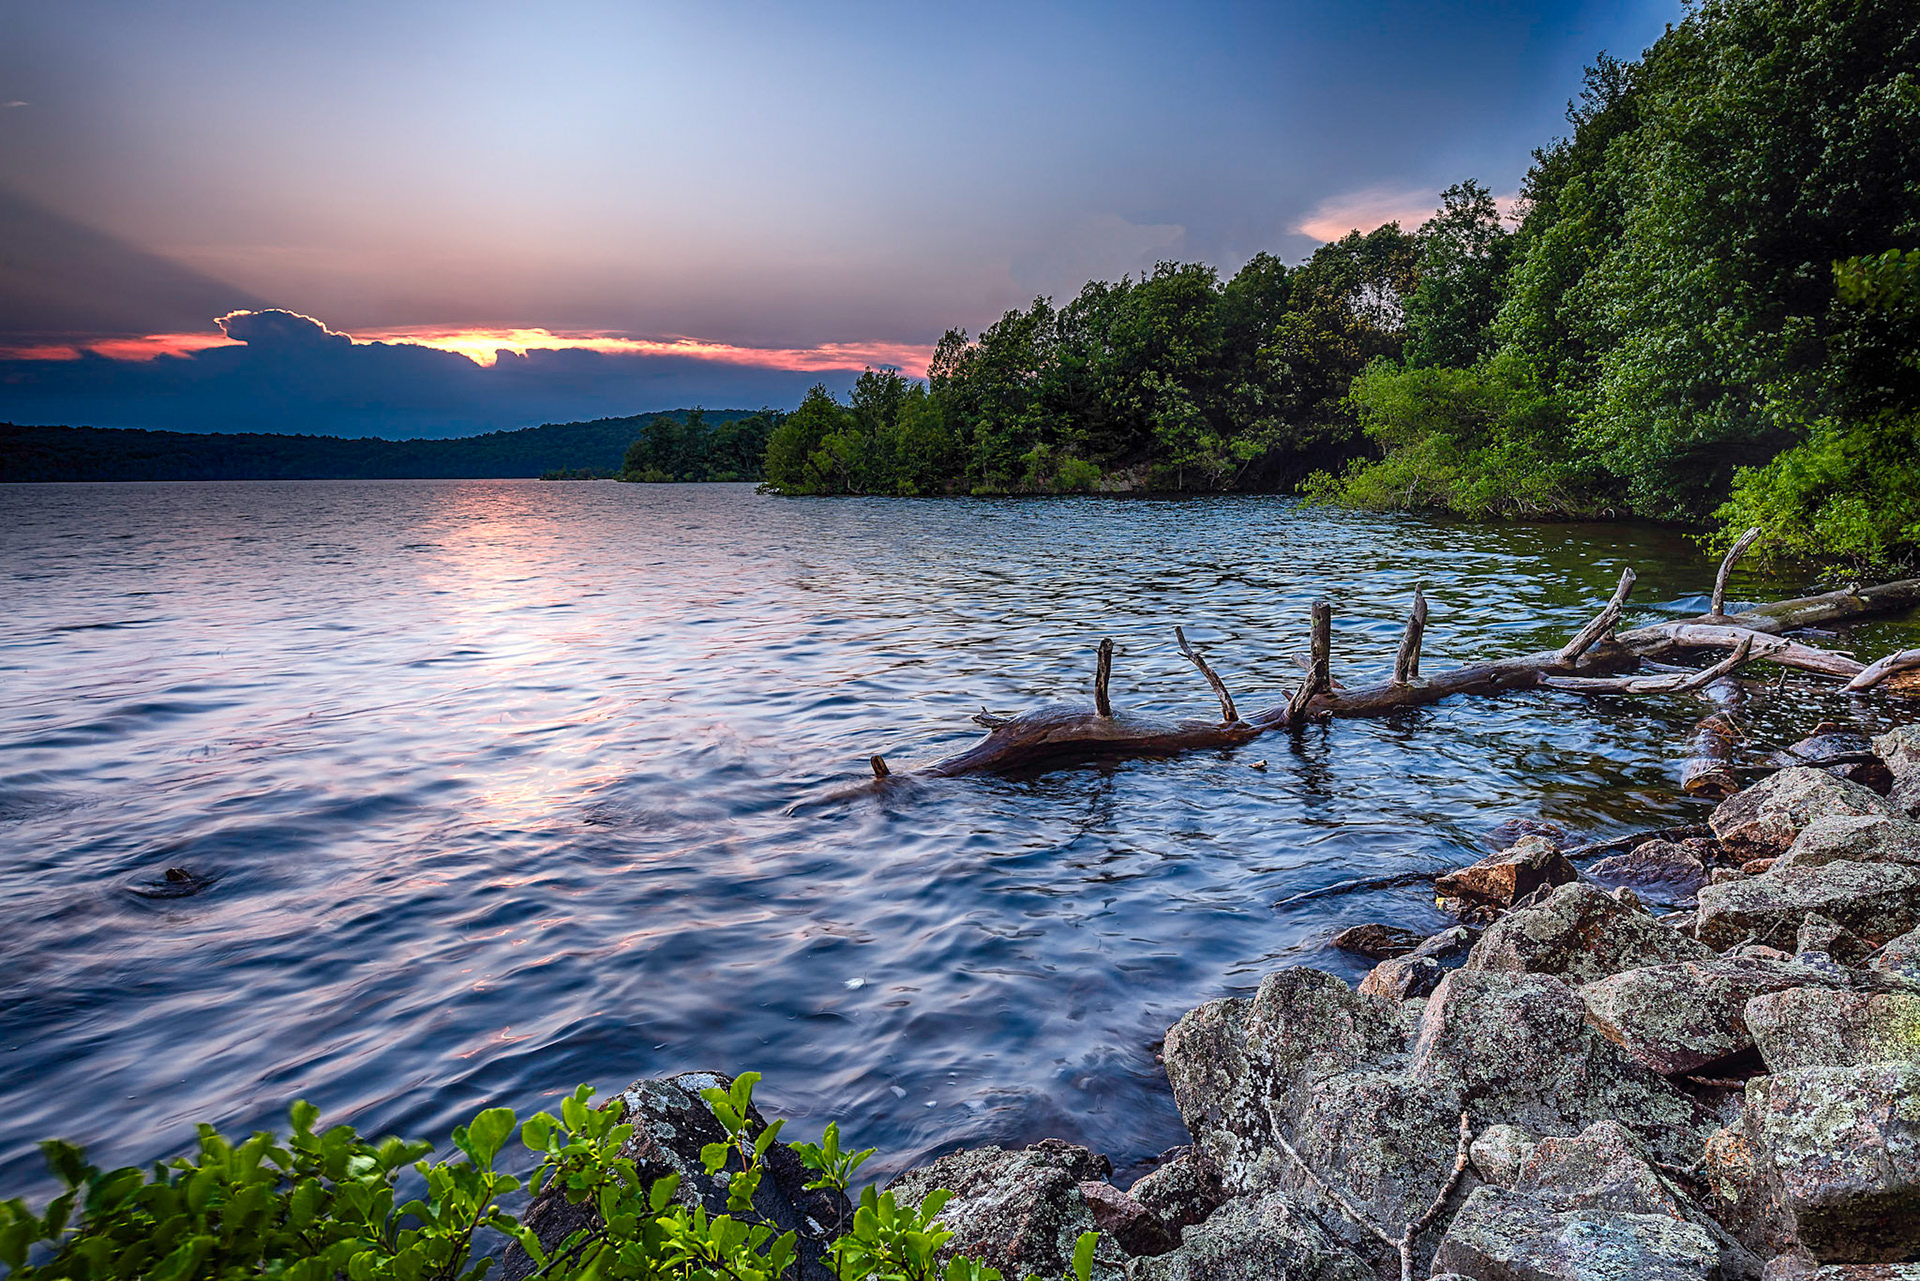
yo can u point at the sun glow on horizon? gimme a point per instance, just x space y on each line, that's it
483 348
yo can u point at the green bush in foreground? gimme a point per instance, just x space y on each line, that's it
323 1205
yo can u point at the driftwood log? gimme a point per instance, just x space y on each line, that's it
1595 660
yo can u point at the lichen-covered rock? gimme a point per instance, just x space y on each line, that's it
1682 1017
1841 1148
1508 1236
1877 901
1861 1272
671 1124
1328 1068
1500 1152
1804 1027
1227 1059
1257 1238
1901 955
1448 944
1581 933
1855 838
1183 1191
1829 938
1137 1229
1765 818
1736 1194
1504 878
1019 1211
1376 942
1517 1049
1664 870
1900 749
1403 978
1606 1168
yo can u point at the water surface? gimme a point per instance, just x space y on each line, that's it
503 786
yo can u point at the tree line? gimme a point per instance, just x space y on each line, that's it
1704 311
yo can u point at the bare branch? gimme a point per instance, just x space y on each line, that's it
1319 665
1102 669
1227 713
1677 683
879 764
1587 637
1406 664
1669 637
1734 553
1461 1158
988 719
1880 669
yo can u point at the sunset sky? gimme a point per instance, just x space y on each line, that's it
646 205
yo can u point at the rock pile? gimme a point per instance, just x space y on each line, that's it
1723 1092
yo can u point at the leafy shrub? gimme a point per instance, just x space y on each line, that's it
322 1204
1484 441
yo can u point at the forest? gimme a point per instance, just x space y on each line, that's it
1705 310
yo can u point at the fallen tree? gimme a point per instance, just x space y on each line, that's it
1596 660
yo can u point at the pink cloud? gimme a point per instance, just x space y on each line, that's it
1363 211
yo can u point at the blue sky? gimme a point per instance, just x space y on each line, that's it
746 176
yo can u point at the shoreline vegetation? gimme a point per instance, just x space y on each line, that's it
1695 1047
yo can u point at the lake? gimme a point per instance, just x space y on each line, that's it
497 787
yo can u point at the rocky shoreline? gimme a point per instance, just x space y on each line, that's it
1698 1058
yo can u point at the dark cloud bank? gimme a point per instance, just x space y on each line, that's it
294 376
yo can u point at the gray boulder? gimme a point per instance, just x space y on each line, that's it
1901 955
1855 838
1605 1168
1403 978
671 1124
1019 1211
1900 749
1452 942
1503 879
1805 1027
1682 1017
1765 818
1830 939
1877 901
1500 1152
1329 1070
1509 1236
1256 1238
1664 870
1736 1194
1580 933
1184 1190
1840 1147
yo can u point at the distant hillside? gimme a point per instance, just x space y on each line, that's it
99 453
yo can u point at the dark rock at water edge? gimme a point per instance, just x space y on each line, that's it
671 1123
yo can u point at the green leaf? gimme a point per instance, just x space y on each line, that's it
1083 1255
488 1133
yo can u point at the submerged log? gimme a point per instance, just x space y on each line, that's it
1593 660
1075 731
